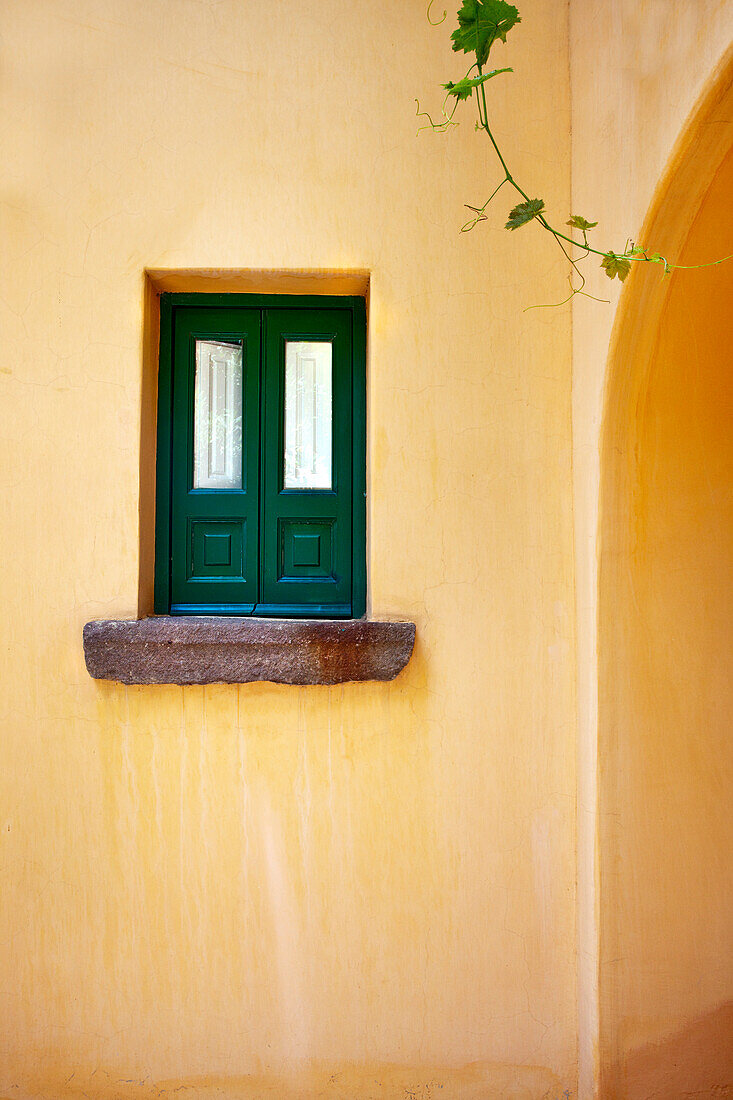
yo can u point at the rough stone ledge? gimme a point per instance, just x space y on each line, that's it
193 649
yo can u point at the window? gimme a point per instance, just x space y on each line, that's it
260 504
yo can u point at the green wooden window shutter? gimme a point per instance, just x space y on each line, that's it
266 513
214 531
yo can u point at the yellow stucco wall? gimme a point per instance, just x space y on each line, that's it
266 891
665 689
638 70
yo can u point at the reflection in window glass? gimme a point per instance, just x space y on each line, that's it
217 420
308 415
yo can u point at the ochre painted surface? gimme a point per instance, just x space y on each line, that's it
335 1081
638 69
226 889
666 683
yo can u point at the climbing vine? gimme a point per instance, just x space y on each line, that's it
481 24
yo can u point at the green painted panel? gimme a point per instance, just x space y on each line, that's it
233 536
217 550
287 510
231 510
306 550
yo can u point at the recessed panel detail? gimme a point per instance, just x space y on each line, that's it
308 415
216 549
306 549
217 417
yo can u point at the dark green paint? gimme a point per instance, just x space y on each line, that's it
261 550
162 586
326 513
196 513
358 460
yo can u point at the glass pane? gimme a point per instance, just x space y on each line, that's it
217 416
307 415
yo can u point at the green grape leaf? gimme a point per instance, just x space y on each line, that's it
480 23
462 89
524 212
616 267
577 222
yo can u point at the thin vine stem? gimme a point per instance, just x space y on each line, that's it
696 267
481 23
509 178
435 22
487 128
479 210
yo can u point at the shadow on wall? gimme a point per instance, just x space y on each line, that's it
701 1052
666 652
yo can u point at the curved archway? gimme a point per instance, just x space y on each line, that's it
665 644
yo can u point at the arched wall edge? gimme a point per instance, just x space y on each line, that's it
700 149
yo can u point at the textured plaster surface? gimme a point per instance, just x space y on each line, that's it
226 889
638 68
666 679
202 885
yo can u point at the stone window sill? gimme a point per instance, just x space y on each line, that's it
202 649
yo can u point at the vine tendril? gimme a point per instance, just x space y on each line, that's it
482 23
433 22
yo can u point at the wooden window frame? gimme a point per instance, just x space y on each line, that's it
269 305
